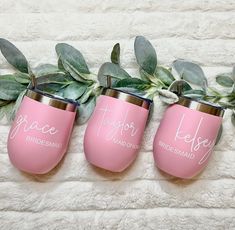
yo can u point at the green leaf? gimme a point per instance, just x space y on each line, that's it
3 102
13 55
57 78
22 78
225 80
115 55
68 54
152 79
46 69
167 96
82 77
212 91
74 90
179 86
144 75
226 105
135 83
60 65
231 98
10 88
52 83
60 92
86 95
134 91
164 75
51 88
6 111
233 118
85 110
145 54
113 70
219 135
190 72
194 93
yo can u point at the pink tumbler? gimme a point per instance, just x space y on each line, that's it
115 129
40 133
186 137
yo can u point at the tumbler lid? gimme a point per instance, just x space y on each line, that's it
52 100
128 97
200 105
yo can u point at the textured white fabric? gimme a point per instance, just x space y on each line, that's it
77 196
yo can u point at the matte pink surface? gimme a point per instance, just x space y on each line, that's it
39 136
114 133
184 141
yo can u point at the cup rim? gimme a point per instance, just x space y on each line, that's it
128 97
200 105
52 100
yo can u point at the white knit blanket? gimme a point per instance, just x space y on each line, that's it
76 195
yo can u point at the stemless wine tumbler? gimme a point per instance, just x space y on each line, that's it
115 129
40 133
186 136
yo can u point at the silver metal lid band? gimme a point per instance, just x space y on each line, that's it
142 102
54 101
201 106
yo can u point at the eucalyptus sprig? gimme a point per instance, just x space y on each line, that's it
71 78
181 78
153 80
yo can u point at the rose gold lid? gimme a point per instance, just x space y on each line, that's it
52 100
128 97
202 106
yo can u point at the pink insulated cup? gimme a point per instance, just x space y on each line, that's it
186 136
40 133
115 129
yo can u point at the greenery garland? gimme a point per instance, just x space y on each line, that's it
71 78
